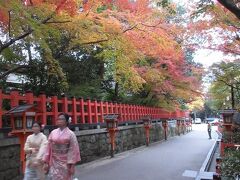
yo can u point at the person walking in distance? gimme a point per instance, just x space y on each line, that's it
62 152
209 128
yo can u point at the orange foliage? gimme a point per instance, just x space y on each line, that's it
69 6
147 33
4 16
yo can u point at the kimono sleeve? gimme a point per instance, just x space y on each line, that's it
27 148
42 148
73 155
48 151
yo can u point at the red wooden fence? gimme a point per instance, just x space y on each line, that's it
82 111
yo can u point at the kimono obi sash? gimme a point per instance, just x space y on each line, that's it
60 148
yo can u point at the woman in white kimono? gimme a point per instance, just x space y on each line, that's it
34 148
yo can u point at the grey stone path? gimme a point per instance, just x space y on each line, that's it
160 161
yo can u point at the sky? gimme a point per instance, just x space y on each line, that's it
208 57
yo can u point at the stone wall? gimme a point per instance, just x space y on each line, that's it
94 144
9 159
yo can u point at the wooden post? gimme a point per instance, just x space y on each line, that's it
14 98
22 139
74 110
82 111
54 109
139 112
128 112
64 104
106 105
147 135
112 141
124 112
111 107
120 112
89 105
29 97
96 111
133 112
101 112
43 108
116 108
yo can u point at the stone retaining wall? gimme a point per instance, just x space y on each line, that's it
94 144
9 159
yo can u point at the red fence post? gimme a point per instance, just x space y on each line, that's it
89 105
43 108
82 111
144 111
138 112
54 109
111 107
135 112
132 112
14 95
115 108
120 112
74 110
96 111
106 105
64 104
101 112
29 97
123 112
128 112
1 108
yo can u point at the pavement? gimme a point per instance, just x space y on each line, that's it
167 160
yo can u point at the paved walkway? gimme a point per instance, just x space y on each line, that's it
160 161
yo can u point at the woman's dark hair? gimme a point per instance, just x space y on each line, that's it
38 123
67 117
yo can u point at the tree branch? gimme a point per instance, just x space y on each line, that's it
5 74
94 42
228 84
130 28
13 40
52 22
147 25
9 43
231 6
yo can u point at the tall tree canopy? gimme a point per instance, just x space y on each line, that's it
130 48
214 27
225 88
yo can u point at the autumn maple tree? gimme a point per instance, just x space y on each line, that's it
134 41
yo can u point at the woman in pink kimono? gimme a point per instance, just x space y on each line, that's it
62 151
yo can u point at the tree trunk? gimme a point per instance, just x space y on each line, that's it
232 96
231 6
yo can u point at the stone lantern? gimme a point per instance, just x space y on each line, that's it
165 126
147 126
22 118
112 127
